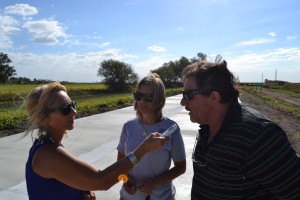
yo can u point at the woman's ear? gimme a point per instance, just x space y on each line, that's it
45 121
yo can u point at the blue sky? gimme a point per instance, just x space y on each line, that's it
66 40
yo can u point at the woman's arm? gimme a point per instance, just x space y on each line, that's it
55 162
128 186
178 169
148 185
120 156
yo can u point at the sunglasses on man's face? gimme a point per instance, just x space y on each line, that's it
139 96
65 109
189 94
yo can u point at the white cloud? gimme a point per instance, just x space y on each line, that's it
143 67
70 42
8 25
83 67
65 67
111 54
94 37
21 9
291 38
7 21
105 44
253 60
156 48
251 66
256 41
272 34
5 42
45 31
10 30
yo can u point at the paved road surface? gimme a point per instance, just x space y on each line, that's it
94 139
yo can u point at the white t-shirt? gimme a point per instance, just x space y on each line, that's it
154 163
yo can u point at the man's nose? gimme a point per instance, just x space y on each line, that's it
183 102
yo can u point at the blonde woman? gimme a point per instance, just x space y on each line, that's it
152 177
51 171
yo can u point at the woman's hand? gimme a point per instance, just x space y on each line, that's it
153 142
146 187
129 187
89 195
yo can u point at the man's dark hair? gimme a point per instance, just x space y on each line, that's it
212 76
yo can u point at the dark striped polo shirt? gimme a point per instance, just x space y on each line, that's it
250 158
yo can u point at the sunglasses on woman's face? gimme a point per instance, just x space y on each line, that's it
189 94
65 109
139 96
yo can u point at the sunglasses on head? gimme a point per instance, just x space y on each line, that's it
189 94
139 96
65 109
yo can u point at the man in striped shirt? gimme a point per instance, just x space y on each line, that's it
239 153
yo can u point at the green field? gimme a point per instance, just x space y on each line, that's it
94 98
10 90
16 88
91 99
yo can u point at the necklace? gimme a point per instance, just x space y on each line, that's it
142 125
144 130
44 135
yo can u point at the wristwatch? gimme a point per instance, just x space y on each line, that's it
134 160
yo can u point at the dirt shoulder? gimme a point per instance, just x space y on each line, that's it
286 120
283 97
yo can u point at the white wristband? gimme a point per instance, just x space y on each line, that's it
134 160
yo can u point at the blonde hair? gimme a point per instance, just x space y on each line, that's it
38 101
157 88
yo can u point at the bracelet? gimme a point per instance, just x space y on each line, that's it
134 160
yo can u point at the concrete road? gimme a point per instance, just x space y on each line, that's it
94 140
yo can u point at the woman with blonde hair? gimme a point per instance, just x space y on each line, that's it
152 177
51 171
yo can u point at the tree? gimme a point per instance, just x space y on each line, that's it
171 72
19 80
202 56
183 62
118 76
218 58
165 72
6 71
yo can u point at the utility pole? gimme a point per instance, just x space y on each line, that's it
262 78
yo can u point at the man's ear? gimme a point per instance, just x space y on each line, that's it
215 96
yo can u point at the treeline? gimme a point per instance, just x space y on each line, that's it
117 75
24 80
171 72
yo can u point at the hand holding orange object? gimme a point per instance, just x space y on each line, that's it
123 177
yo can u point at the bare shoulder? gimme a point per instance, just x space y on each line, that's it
48 158
50 151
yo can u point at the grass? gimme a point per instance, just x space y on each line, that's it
283 105
26 88
15 92
91 99
288 92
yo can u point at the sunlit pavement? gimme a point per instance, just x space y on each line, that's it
94 139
